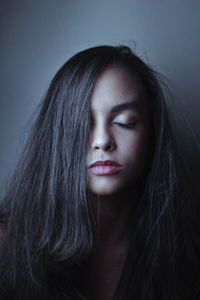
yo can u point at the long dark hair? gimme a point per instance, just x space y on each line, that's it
47 232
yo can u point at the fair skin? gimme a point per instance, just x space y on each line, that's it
120 133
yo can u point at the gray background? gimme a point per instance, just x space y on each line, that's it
38 36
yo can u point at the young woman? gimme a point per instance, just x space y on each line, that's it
97 208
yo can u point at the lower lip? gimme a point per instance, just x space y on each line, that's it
105 170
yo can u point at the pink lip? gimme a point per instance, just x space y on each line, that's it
105 167
104 163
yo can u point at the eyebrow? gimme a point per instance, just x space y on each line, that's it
125 106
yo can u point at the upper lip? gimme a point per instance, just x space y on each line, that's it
104 163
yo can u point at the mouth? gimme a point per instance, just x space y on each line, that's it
106 167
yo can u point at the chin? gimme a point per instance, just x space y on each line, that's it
104 190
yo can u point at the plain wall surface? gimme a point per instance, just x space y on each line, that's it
37 37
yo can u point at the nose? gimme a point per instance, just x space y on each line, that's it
102 139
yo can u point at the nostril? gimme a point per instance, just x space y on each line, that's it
105 146
110 147
102 139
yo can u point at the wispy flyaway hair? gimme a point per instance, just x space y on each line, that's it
47 232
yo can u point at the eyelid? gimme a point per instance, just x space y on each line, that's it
122 117
127 125
121 123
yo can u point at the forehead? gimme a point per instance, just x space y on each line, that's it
116 86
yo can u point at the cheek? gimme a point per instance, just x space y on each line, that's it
134 151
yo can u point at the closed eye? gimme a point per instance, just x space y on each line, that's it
127 125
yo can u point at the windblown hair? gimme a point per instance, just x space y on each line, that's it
47 231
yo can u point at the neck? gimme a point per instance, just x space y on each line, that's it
110 215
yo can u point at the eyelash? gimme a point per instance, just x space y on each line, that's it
127 125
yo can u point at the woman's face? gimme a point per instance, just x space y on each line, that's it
119 133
